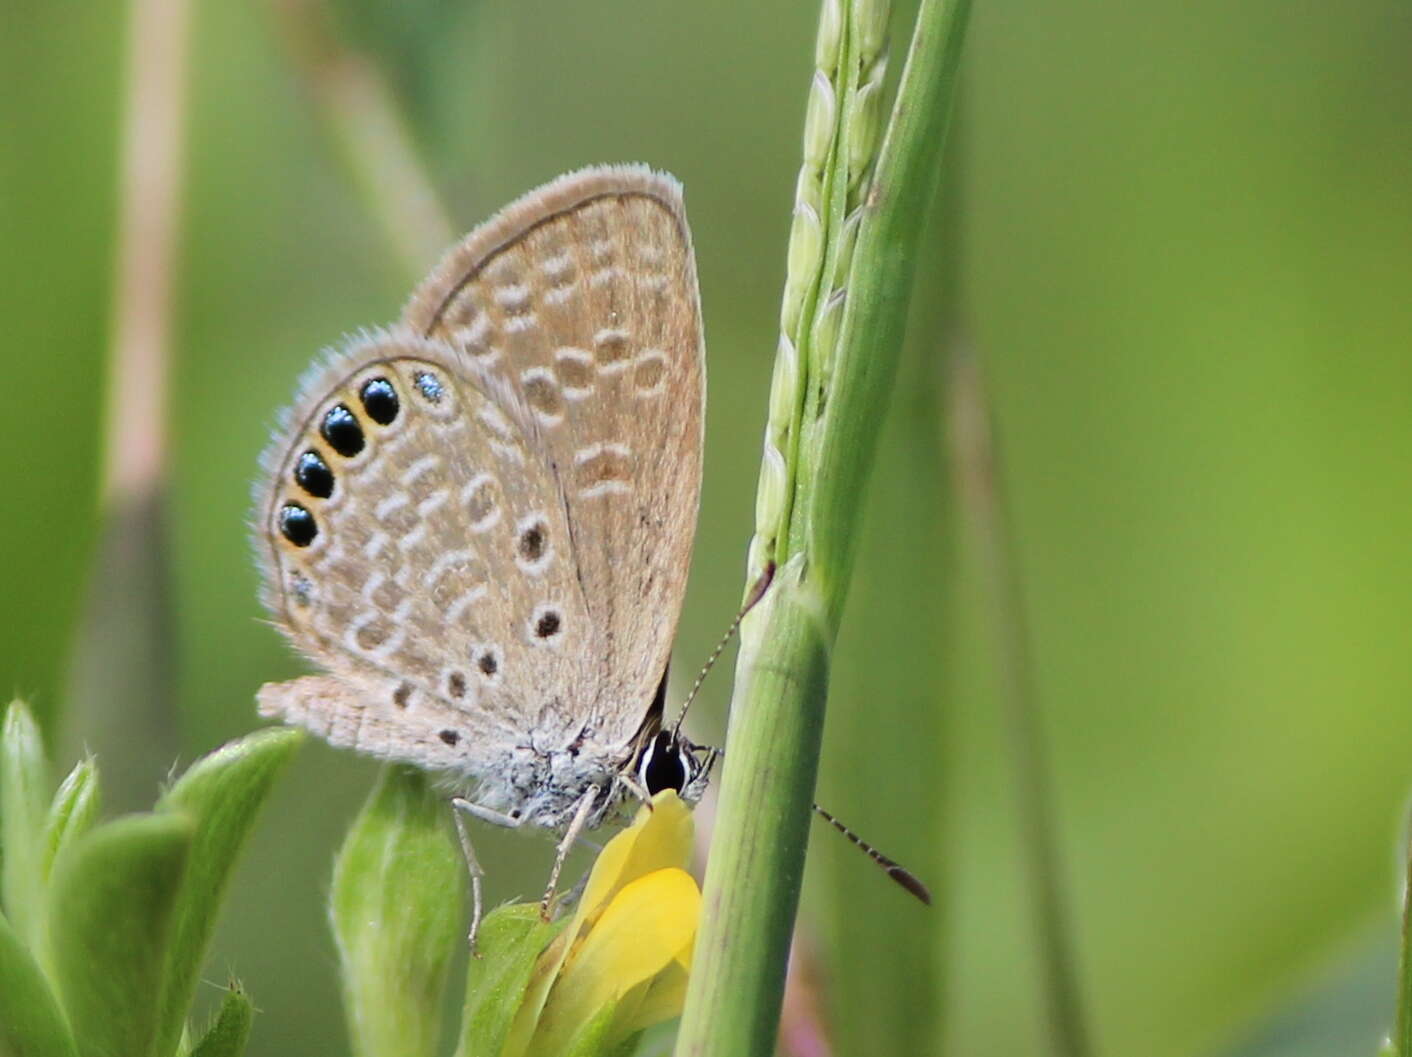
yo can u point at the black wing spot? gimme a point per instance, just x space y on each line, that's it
297 525
379 400
548 625
342 430
312 474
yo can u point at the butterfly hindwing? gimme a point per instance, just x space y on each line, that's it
417 546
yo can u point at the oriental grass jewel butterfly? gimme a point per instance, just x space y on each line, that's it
478 520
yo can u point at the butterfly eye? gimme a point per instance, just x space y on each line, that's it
664 765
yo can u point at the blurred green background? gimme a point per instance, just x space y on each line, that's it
1179 236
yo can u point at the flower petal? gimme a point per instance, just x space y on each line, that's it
648 927
659 837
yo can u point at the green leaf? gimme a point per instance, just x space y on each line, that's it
397 907
31 1023
227 1036
24 792
221 794
112 915
71 815
510 942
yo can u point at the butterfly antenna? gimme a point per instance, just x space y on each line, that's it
898 873
756 593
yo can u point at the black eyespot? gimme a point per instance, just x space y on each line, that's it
451 737
297 524
379 400
662 765
341 429
488 664
456 684
402 695
547 625
312 474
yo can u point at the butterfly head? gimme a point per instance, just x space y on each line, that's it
669 761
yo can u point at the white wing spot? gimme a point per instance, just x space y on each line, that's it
605 488
420 468
612 350
412 537
561 295
491 418
603 276
482 504
557 268
477 339
603 469
434 502
649 371
445 563
514 298
370 633
376 542
575 370
457 609
543 395
520 324
391 505
508 452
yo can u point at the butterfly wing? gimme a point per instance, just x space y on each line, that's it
414 543
581 300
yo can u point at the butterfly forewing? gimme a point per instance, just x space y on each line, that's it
582 297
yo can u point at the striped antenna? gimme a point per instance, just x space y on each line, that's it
898 873
756 593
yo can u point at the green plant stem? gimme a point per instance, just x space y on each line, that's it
1402 1027
978 472
879 288
120 693
373 139
753 877
757 857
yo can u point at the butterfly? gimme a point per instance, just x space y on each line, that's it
478 520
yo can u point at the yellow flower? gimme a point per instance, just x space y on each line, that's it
621 964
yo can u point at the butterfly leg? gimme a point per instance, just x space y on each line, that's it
461 808
581 812
633 786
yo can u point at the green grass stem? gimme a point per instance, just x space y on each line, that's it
827 404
